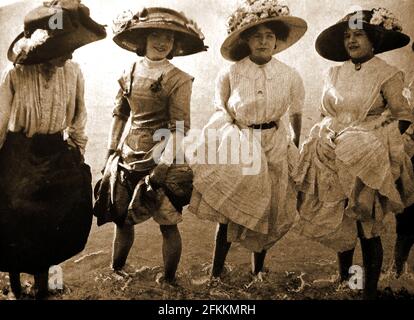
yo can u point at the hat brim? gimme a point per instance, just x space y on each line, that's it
186 43
235 49
61 42
55 46
330 43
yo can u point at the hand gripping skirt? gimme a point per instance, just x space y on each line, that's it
45 202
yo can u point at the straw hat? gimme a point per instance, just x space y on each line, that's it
131 30
253 13
330 43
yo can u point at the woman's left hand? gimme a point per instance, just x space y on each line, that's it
158 175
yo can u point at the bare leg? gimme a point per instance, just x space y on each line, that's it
171 250
221 250
15 284
123 240
258 259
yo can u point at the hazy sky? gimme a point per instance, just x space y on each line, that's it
102 62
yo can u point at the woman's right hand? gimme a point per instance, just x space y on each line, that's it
326 146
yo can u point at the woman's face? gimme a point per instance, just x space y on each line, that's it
159 44
357 44
262 44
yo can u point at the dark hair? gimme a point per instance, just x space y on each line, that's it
142 45
374 36
279 28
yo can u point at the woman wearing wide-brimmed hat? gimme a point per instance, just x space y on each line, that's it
254 201
144 173
353 168
405 220
45 192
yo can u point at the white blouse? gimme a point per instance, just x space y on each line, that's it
34 105
256 94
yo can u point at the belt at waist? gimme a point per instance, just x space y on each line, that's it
264 126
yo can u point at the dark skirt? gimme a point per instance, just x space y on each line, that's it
405 220
45 202
134 197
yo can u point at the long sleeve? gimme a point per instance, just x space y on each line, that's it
76 129
6 99
222 94
297 95
392 91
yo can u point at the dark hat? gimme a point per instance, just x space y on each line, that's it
256 12
54 30
330 43
131 29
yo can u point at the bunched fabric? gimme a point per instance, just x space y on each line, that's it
45 202
368 175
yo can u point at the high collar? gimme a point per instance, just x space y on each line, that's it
253 71
365 65
151 64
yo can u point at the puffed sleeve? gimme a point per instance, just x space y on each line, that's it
297 94
222 93
6 99
77 128
393 93
122 108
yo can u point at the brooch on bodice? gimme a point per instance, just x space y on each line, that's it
157 86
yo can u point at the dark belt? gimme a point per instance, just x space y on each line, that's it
264 126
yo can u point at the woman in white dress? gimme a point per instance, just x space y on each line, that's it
353 168
257 207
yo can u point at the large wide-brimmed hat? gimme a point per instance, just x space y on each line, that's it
253 13
330 43
53 30
131 30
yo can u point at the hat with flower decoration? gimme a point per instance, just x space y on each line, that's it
53 30
253 13
330 43
131 29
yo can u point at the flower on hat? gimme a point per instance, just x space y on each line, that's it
386 19
25 45
193 26
252 11
122 21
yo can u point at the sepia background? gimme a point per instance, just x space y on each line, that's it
290 260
